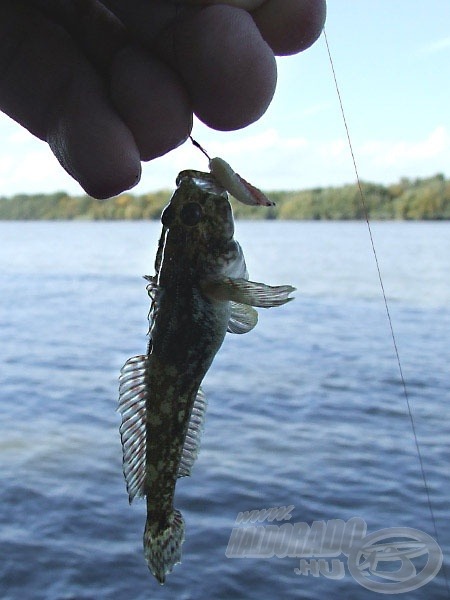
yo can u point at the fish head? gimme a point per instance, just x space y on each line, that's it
198 222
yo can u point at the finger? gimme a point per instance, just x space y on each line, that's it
152 101
290 26
228 69
143 18
217 51
98 33
48 86
245 4
149 97
91 142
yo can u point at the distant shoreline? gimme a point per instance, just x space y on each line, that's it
408 199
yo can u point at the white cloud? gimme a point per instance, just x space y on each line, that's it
261 155
436 46
265 158
402 153
268 140
27 164
337 149
314 110
34 169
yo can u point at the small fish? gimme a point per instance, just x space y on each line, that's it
199 292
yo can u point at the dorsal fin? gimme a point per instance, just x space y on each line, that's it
192 441
133 394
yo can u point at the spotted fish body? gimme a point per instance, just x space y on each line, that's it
199 292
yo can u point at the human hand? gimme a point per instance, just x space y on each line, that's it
110 83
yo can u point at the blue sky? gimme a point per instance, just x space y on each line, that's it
392 60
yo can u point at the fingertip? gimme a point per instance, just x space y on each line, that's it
50 87
290 26
152 102
95 147
226 65
113 183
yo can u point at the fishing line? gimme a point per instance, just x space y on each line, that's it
197 145
386 306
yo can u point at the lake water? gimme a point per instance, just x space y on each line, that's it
306 410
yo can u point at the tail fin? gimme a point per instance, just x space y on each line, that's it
162 547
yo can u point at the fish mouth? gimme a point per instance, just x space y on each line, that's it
204 181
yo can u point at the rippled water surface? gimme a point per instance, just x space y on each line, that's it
307 410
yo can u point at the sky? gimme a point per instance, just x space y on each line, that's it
392 63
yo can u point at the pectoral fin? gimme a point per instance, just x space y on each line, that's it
152 286
252 293
153 291
243 318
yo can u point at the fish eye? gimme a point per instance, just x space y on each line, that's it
191 214
168 216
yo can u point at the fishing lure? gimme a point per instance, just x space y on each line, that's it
236 185
199 292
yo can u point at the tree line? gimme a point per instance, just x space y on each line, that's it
417 199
